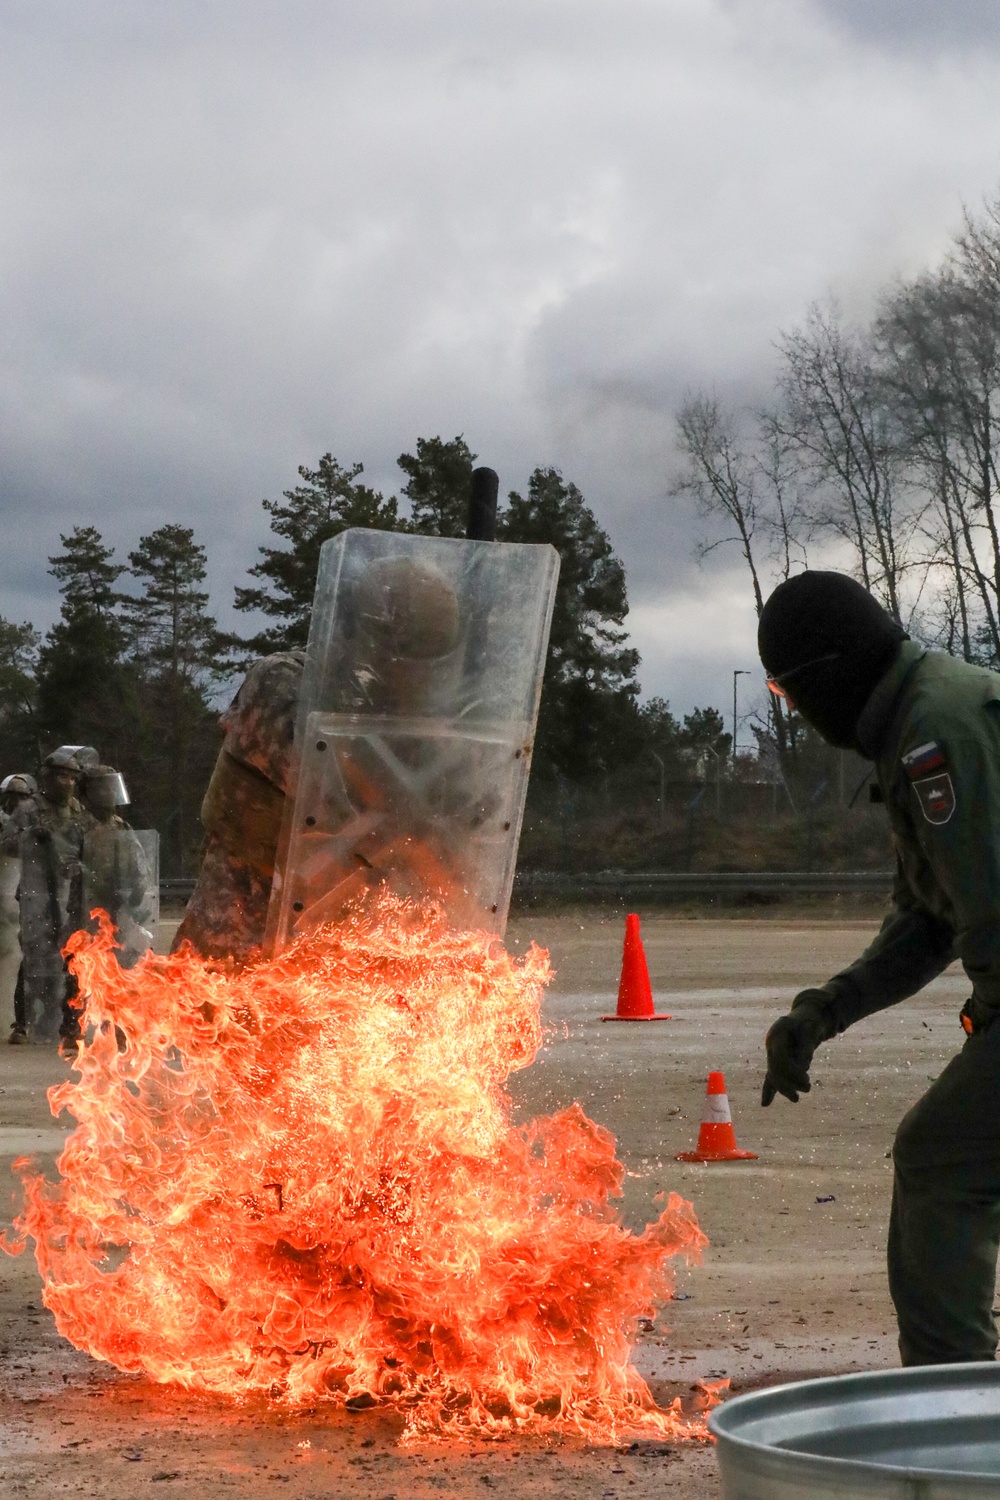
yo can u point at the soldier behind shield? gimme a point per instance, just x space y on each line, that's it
409 618
116 875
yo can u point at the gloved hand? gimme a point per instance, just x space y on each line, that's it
976 1015
791 1042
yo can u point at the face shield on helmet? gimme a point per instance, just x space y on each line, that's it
103 789
63 759
84 755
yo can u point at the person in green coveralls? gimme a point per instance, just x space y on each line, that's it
931 725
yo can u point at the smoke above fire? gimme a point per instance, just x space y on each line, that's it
303 1179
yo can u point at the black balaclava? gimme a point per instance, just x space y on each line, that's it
816 615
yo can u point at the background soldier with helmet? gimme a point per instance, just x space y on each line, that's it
47 831
116 873
16 791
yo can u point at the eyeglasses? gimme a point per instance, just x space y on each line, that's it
778 685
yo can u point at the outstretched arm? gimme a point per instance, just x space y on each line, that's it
911 948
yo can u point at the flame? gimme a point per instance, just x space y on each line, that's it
302 1179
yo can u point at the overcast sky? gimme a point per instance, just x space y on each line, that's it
238 233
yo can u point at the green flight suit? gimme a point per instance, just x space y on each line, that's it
932 725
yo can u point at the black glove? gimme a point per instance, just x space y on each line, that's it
976 1015
791 1042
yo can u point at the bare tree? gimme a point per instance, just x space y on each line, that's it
784 519
940 337
886 439
720 477
743 481
916 331
833 413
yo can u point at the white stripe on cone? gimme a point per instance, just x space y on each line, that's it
717 1110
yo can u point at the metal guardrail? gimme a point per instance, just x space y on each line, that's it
663 884
176 890
654 883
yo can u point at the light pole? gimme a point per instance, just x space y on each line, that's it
740 672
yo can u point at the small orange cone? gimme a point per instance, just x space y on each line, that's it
717 1138
635 993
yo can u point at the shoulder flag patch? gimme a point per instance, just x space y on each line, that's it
924 760
926 768
936 795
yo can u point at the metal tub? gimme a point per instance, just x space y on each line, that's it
931 1432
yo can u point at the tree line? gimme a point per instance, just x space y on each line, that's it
878 448
137 665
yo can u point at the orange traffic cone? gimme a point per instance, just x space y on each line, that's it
635 993
717 1138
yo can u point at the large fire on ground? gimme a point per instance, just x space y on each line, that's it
302 1179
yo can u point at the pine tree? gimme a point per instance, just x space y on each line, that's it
18 663
87 573
704 733
172 634
589 721
327 502
86 692
440 475
179 656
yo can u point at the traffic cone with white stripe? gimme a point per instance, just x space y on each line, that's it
717 1138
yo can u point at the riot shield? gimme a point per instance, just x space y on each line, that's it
10 921
148 911
50 910
416 719
121 877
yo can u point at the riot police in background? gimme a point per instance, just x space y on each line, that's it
47 832
102 792
16 791
85 755
116 873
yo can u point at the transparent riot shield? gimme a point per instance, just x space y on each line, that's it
149 841
10 938
121 877
416 719
50 911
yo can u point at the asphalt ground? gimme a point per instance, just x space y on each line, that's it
793 1283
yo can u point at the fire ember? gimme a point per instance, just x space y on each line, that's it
302 1179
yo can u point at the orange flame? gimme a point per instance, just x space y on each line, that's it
302 1179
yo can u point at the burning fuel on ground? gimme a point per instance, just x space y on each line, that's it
302 1179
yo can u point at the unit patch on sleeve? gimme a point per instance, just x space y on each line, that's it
927 771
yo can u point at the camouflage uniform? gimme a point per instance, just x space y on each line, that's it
242 813
11 992
116 878
49 839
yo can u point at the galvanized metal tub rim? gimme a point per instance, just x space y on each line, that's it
791 1440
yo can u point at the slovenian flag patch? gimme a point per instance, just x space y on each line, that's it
924 760
926 768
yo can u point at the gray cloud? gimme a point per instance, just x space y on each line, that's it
237 235
922 25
